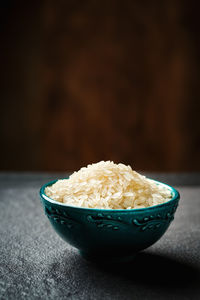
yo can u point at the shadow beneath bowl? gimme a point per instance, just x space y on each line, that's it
148 276
154 270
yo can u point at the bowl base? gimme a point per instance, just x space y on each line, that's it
107 259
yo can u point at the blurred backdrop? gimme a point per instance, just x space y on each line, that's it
83 81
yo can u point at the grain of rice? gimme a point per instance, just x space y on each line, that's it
108 185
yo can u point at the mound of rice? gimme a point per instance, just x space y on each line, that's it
109 186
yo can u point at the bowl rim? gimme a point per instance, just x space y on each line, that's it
175 196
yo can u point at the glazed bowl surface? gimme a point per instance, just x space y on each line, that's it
110 234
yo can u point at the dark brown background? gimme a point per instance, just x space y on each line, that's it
83 81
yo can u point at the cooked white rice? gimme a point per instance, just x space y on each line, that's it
108 185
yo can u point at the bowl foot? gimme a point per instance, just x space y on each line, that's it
107 259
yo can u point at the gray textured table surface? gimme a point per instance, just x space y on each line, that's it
36 264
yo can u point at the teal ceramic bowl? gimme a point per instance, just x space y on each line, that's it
110 234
